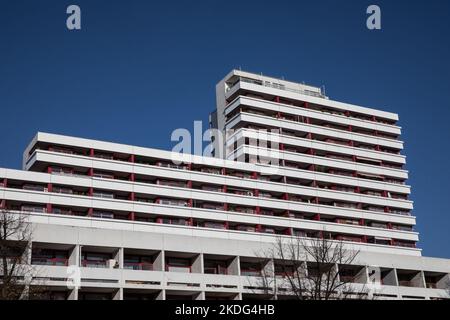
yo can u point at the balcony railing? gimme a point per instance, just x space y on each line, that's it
49 261
94 263
431 285
405 283
279 86
138 265
250 272
216 270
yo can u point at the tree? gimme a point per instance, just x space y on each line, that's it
16 272
308 269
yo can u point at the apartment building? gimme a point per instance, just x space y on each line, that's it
137 225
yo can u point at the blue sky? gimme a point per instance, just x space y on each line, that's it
139 69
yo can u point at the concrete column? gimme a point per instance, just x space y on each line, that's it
73 295
336 269
391 278
74 256
27 253
395 278
158 264
235 267
269 268
362 276
444 282
197 264
161 295
200 296
118 295
419 280
120 257
30 271
303 269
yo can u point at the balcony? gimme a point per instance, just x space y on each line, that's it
345 205
103 155
172 183
137 265
241 192
347 221
46 255
103 214
399 211
45 261
404 244
336 141
211 188
34 187
277 86
252 267
402 227
266 212
100 258
62 211
103 175
210 170
410 278
378 225
242 209
172 165
32 208
173 202
212 265
210 206
213 225
352 273
246 228
62 150
63 190
348 238
178 264
380 240
174 221
436 280
94 263
103 194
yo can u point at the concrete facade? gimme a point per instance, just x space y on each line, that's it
137 226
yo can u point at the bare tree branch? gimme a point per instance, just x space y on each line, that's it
308 269
16 273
